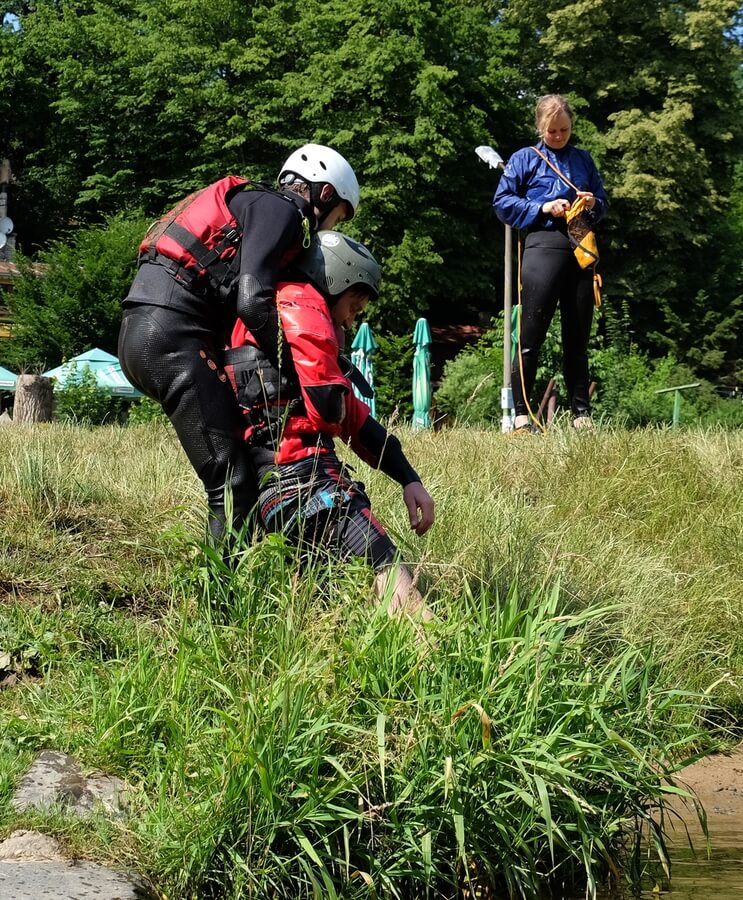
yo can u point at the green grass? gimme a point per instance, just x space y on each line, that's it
282 738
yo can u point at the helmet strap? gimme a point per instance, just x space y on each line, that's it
323 206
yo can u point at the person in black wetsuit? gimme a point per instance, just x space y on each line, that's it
189 290
532 195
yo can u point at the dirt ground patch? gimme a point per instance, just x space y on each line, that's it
717 781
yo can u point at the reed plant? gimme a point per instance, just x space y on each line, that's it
282 737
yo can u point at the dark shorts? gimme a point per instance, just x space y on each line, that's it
319 507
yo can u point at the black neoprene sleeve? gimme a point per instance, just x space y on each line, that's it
385 446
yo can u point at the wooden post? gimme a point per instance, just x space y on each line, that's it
34 400
552 406
550 390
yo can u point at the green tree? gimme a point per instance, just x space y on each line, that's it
393 376
126 103
143 102
407 89
658 94
74 302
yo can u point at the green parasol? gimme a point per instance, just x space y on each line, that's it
8 379
422 376
105 367
362 350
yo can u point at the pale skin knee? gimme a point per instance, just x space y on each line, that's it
406 600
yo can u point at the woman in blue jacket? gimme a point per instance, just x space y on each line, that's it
531 195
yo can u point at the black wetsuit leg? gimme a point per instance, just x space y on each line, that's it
541 270
576 317
550 273
172 357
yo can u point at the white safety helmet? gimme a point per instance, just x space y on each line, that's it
317 164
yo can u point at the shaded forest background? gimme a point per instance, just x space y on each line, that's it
112 110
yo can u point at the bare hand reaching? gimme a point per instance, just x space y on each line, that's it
556 208
420 507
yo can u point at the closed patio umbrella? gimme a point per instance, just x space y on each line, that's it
422 376
362 351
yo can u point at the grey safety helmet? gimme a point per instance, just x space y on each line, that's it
316 165
335 262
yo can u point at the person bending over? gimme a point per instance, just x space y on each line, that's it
292 421
216 257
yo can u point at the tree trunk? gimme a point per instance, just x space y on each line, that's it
34 400
552 406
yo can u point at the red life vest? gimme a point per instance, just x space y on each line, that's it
198 239
300 431
197 235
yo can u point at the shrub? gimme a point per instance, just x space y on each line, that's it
77 304
725 413
393 375
83 401
145 410
629 385
470 388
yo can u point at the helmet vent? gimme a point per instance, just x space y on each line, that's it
322 165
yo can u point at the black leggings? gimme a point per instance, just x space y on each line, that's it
551 274
173 357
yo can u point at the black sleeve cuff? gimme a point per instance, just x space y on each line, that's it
328 401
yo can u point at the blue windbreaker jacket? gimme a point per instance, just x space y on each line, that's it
528 183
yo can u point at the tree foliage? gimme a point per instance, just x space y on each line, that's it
83 401
114 105
76 304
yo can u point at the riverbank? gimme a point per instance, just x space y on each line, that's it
717 780
275 730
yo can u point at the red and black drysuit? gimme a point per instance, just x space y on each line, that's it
177 320
305 491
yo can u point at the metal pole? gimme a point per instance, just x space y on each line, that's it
495 161
677 399
506 397
676 409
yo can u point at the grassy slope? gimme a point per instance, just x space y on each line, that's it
103 601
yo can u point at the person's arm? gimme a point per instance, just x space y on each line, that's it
596 186
272 236
511 203
310 335
371 442
587 177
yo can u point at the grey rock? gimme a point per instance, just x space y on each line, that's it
39 880
30 845
56 777
33 865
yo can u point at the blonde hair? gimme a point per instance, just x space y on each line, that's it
548 107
